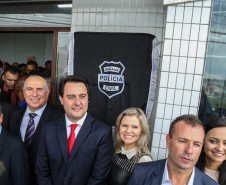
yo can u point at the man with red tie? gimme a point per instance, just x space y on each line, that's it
74 148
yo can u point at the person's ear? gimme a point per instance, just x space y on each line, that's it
167 140
61 99
3 77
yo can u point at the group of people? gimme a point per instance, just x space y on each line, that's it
41 144
13 77
23 68
187 139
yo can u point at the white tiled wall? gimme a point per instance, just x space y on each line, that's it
183 58
142 16
182 30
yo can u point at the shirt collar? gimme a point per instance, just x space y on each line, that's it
129 153
167 179
191 180
38 112
79 122
5 88
0 129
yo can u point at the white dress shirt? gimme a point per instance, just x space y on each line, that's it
166 180
26 119
80 123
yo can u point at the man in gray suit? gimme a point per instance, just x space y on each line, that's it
184 143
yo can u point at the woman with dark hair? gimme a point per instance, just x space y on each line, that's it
212 160
131 140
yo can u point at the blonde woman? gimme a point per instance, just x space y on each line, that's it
131 145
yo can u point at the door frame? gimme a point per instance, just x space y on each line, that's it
53 30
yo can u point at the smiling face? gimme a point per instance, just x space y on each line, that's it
130 131
35 92
185 146
215 146
75 100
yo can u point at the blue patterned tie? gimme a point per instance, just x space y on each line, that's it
30 129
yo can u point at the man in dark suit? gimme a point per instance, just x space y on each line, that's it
6 110
13 157
74 148
184 143
26 122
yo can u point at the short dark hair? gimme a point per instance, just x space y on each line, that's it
33 63
46 74
72 78
22 65
48 62
11 69
23 74
6 64
33 72
0 108
188 119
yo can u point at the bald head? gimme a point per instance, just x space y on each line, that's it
35 78
36 92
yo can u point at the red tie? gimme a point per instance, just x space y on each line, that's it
71 138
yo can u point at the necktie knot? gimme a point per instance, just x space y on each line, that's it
73 127
32 115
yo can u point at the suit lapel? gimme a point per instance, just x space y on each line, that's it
197 179
62 137
19 121
83 133
2 140
157 179
157 173
46 113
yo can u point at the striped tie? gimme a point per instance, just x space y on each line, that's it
30 129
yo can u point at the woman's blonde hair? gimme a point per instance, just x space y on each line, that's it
142 142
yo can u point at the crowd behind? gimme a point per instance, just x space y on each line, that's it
41 144
13 77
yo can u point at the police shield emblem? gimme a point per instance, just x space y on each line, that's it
111 79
